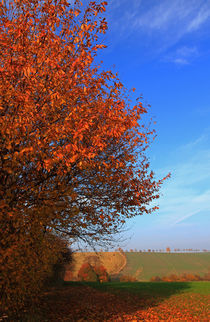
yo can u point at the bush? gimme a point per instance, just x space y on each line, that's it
25 270
58 268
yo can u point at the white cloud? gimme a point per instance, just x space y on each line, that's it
160 16
186 51
201 17
187 193
182 56
180 61
163 22
180 15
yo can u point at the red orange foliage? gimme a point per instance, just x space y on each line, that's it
72 149
87 273
93 273
101 273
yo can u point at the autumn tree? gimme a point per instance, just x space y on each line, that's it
87 273
72 149
93 273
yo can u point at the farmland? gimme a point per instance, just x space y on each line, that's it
143 266
146 265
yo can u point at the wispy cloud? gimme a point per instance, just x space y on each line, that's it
187 193
182 56
202 16
164 14
165 22
187 15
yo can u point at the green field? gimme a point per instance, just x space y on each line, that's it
157 289
146 265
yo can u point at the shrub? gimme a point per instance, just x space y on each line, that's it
58 268
23 274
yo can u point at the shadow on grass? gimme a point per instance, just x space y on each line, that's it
142 289
92 301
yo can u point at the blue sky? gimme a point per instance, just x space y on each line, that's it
162 48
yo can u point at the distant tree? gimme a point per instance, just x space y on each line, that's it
101 273
93 273
87 273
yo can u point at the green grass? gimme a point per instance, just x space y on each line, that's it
146 265
164 289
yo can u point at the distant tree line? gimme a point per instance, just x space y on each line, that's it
149 250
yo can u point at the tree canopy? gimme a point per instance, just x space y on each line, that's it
72 148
